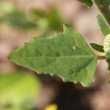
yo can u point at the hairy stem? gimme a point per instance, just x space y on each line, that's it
104 7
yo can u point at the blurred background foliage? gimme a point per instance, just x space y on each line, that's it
34 19
10 15
18 91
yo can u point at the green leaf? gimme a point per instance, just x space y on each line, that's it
19 20
18 91
108 61
38 13
104 27
66 55
10 15
97 47
48 21
104 7
55 21
87 2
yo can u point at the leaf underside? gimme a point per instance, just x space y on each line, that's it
97 47
104 7
104 27
87 2
66 55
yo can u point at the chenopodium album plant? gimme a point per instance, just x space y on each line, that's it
67 54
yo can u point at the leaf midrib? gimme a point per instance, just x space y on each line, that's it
59 56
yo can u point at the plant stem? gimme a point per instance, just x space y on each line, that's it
101 57
104 7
